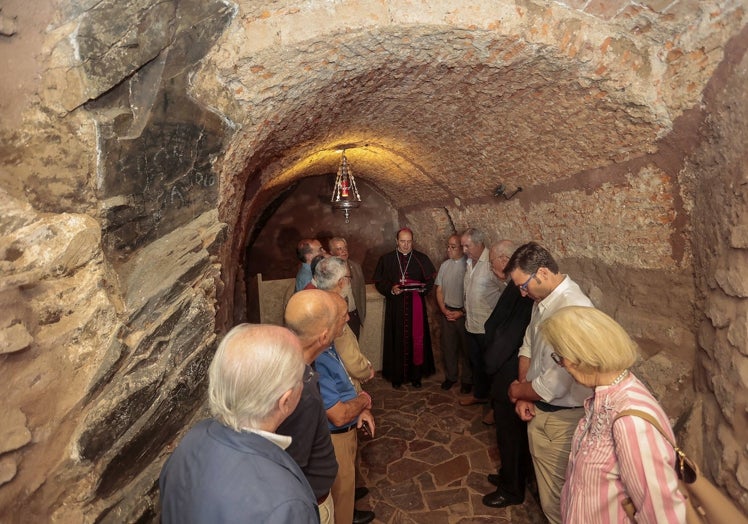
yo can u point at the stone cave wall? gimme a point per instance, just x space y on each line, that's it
717 174
622 238
306 213
108 239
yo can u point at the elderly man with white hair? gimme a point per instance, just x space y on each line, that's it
233 467
333 274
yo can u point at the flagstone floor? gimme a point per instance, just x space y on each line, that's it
429 459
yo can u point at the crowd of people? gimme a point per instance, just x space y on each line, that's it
516 334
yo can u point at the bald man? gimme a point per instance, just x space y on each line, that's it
254 383
311 315
346 410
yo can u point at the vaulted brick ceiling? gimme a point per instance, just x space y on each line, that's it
435 102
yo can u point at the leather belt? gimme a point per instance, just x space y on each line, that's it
550 408
453 308
342 430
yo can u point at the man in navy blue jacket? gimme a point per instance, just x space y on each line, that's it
233 468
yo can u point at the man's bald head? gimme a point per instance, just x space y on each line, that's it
311 314
499 255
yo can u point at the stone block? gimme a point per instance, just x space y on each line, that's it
14 338
451 470
14 434
720 309
445 499
739 237
670 379
734 281
737 333
8 469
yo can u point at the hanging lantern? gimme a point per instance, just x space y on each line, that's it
345 193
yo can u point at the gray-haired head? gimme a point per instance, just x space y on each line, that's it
253 367
503 248
329 271
476 235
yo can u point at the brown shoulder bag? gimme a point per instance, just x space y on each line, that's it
705 504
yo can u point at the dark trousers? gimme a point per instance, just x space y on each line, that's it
476 349
454 350
354 322
511 435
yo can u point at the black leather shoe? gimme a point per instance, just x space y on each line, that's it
466 388
362 517
397 385
493 478
361 492
499 499
417 384
447 384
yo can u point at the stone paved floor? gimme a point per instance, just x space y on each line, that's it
429 460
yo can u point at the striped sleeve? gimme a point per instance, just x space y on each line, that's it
646 462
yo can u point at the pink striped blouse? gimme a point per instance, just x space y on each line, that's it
630 459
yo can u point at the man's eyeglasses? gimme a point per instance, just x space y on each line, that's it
523 287
558 360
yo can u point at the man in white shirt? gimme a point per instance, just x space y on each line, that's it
482 291
545 395
450 296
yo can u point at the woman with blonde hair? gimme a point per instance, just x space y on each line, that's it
611 458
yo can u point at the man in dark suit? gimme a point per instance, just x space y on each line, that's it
505 329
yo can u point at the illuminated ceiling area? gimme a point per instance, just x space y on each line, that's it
436 105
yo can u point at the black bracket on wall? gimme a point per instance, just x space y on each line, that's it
501 191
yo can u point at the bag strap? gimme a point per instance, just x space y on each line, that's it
649 418
686 469
628 505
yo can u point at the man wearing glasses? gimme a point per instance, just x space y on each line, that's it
356 294
545 395
450 295
332 274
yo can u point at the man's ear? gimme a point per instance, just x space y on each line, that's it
322 338
284 403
